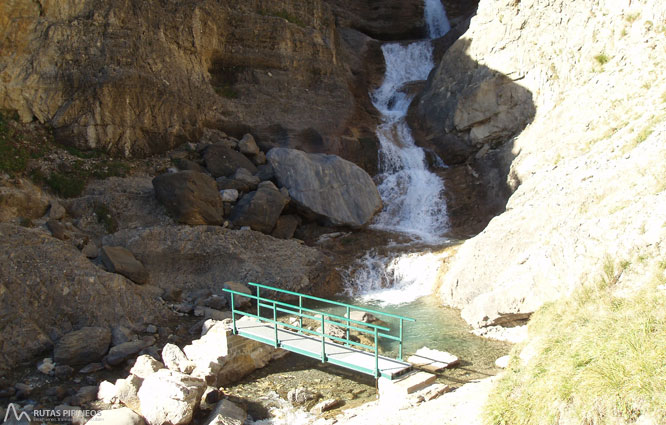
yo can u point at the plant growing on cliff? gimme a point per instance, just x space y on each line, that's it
598 358
13 158
602 59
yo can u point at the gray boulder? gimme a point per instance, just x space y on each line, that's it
120 260
145 366
245 176
259 209
83 346
191 197
176 360
327 185
222 161
122 352
226 413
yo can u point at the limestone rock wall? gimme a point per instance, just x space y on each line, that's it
588 171
136 77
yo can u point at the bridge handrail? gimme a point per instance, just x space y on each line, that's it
367 310
321 316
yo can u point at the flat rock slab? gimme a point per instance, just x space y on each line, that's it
410 383
432 360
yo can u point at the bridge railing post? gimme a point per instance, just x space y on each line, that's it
300 314
233 315
277 343
258 302
348 316
323 338
377 374
400 343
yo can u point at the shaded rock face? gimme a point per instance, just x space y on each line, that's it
21 199
191 197
327 186
207 256
154 75
120 260
383 20
87 345
222 161
465 112
48 288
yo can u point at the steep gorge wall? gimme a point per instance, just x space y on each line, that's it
136 77
585 177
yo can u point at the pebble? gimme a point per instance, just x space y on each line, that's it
151 329
46 366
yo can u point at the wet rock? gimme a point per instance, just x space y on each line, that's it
84 395
325 406
326 185
260 209
46 366
176 360
226 413
248 146
122 352
286 226
301 395
362 316
118 259
229 195
332 330
191 197
222 161
82 346
122 416
170 397
145 366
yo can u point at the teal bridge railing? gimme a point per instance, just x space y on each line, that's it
375 332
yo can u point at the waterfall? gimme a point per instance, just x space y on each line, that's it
436 19
414 202
413 196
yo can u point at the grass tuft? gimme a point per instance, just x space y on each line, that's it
599 359
105 218
602 59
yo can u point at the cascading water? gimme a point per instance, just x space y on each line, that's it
413 196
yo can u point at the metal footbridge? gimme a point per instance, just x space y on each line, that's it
280 324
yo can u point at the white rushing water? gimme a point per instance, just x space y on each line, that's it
413 196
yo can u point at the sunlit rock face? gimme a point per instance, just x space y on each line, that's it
587 173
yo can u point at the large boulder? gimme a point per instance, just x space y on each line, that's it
204 257
260 209
120 260
169 397
191 197
327 185
84 346
222 161
48 288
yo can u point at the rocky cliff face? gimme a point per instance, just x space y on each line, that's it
588 172
138 77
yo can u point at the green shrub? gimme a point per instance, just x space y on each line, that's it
598 359
602 59
105 218
13 158
67 185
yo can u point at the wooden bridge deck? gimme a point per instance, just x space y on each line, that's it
311 346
